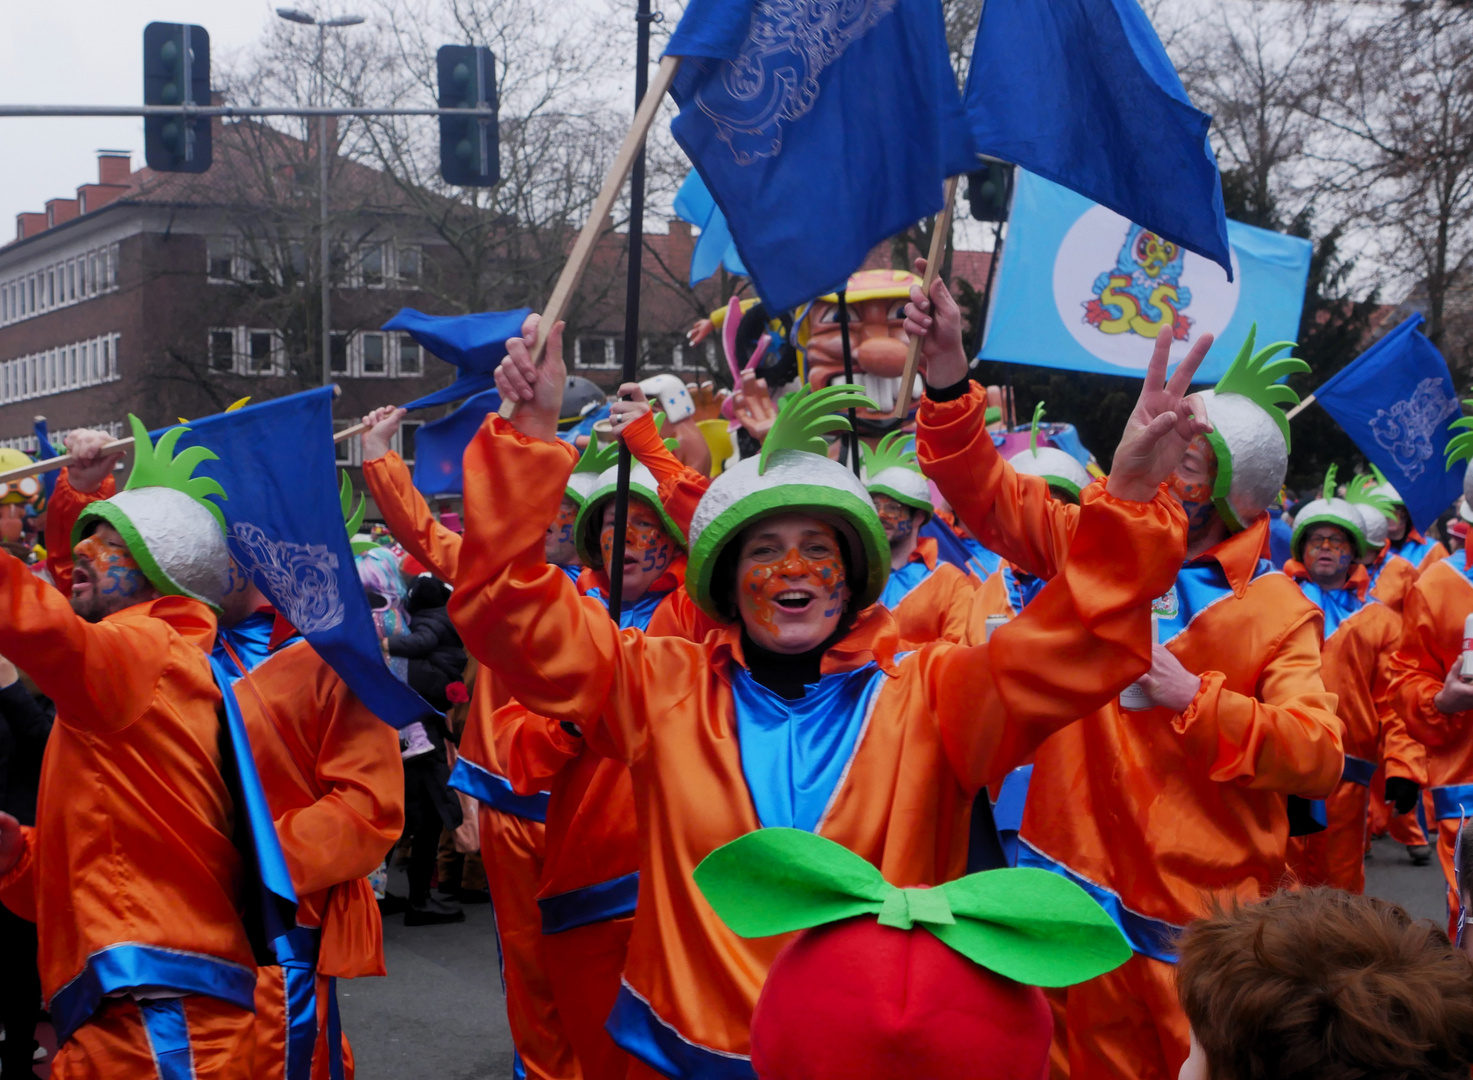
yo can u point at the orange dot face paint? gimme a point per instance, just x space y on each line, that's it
1192 483
114 569
648 549
791 586
897 518
561 529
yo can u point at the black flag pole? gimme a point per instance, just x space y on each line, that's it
615 567
849 377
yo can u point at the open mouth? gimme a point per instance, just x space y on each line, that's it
794 600
883 389
81 581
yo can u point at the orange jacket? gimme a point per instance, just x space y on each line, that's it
936 724
131 872
1149 811
1392 577
409 518
1431 642
334 781
937 607
681 487
1419 551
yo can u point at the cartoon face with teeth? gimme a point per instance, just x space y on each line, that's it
877 340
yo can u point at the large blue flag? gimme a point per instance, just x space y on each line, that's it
473 343
44 452
1082 92
821 129
440 445
286 530
714 248
1396 401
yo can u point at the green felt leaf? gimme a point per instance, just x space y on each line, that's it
1460 447
805 416
1362 490
158 466
1256 375
895 450
596 458
1328 490
903 908
1033 431
352 517
1032 926
773 881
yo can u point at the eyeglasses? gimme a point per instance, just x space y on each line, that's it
1336 544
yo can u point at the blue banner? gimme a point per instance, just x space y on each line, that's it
714 248
475 344
440 445
1080 287
277 466
44 452
1082 92
820 129
1396 401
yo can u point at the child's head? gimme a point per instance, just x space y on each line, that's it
1322 985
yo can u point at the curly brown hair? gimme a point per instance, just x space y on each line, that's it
1317 984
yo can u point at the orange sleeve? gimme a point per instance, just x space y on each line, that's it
1285 737
1082 640
681 487
18 885
557 653
347 832
1418 670
102 676
409 518
1436 553
62 510
1008 513
532 749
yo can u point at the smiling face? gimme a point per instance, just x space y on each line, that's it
105 576
1328 551
558 545
648 548
790 582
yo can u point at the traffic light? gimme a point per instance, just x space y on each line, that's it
988 189
470 149
176 71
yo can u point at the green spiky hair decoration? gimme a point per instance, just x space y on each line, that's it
1362 491
156 465
1327 490
353 515
1256 375
1460 446
597 457
807 415
895 451
1033 431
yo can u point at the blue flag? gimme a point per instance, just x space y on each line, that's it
820 129
714 248
286 529
1082 92
45 451
440 445
1396 401
473 343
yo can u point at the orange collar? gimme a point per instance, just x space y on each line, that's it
873 637
1359 579
1238 555
926 551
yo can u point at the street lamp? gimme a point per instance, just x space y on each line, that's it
323 25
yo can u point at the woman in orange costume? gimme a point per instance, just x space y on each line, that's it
131 872
800 710
1360 636
1150 811
513 833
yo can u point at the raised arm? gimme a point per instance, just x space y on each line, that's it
408 516
533 749
89 480
681 487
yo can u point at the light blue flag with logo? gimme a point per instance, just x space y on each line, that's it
1080 287
714 247
820 129
1397 403
285 523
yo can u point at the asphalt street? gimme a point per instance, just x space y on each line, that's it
440 1012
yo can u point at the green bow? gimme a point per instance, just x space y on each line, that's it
1029 925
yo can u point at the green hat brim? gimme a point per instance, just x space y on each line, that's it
900 497
110 513
1302 527
589 522
817 499
1223 487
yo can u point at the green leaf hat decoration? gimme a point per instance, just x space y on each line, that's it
1256 375
1460 446
1029 925
805 416
158 466
895 451
1033 430
1362 491
1327 489
353 515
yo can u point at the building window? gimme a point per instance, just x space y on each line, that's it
409 264
296 257
598 351
112 266
222 351
220 253
411 358
71 280
338 354
375 360
347 450
94 279
262 352
371 266
408 436
97 361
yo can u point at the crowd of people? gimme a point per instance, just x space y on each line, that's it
912 749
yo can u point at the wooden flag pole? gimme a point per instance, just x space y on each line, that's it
582 254
61 461
939 235
1297 409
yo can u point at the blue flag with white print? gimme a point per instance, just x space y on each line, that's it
285 525
1082 92
1396 402
821 128
474 344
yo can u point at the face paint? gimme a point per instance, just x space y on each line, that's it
114 568
764 582
1329 553
1194 489
561 529
895 516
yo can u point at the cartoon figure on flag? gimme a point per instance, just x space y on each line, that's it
1405 430
1144 291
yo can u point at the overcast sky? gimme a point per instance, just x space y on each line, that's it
88 52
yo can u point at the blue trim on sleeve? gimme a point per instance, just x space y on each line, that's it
496 791
1452 801
610 899
1155 938
168 1038
129 965
1358 770
636 1029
